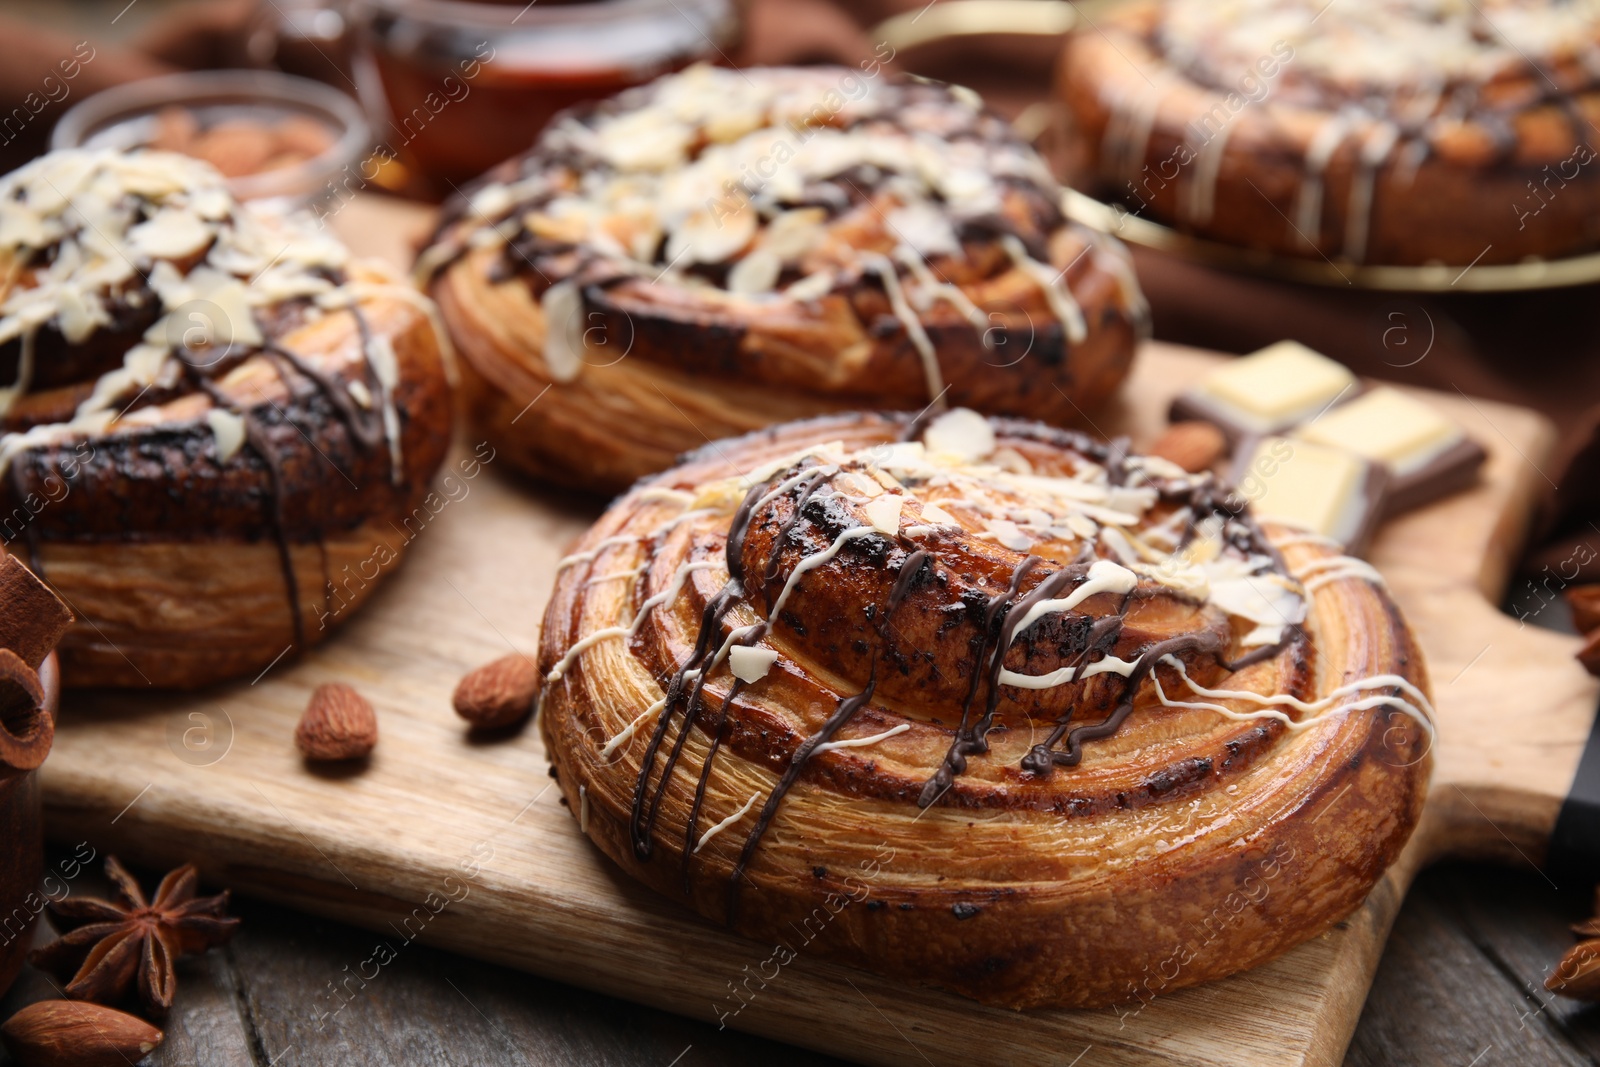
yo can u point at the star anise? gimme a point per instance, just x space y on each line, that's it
106 944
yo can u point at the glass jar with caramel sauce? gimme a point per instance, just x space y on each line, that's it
456 87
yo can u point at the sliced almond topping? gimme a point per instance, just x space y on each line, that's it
171 233
884 513
229 429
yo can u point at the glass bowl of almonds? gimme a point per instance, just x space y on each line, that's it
273 136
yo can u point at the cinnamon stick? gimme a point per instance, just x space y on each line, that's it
32 617
26 727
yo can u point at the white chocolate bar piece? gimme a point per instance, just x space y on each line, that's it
1283 384
1386 426
1308 485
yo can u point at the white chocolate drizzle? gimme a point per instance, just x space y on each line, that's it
1308 205
1051 282
666 596
713 831
626 734
1270 706
861 742
880 265
1375 150
1330 569
1199 199
1104 577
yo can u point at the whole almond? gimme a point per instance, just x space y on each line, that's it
499 693
235 147
1585 603
1589 654
1194 446
75 1033
338 724
1578 974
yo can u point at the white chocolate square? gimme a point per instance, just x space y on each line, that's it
1305 484
1387 426
1278 386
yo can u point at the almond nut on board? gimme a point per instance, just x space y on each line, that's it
1578 974
1585 603
1589 654
499 693
338 724
1194 446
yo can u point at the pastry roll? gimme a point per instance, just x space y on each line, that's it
217 428
1372 131
983 704
721 250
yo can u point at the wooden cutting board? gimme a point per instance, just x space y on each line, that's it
460 843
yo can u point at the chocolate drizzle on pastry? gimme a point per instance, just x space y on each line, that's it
772 189
1042 672
1216 600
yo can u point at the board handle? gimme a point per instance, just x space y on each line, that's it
1517 717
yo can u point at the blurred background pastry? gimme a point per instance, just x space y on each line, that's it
1377 132
720 250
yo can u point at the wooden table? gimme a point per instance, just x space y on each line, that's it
1461 984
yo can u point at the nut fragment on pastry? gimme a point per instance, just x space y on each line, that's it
1374 131
216 426
982 704
721 250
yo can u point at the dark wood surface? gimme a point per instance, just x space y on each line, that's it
1461 985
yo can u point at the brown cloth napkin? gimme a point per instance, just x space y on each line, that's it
1538 349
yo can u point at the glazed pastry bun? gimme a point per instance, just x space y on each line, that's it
721 250
1376 131
983 704
217 425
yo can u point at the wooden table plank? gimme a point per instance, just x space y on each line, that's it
1442 999
427 1008
1523 924
206 1024
1462 976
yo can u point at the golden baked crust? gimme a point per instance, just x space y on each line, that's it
721 250
1098 813
219 428
1374 131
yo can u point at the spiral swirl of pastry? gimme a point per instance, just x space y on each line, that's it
721 250
1381 131
218 427
1007 710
